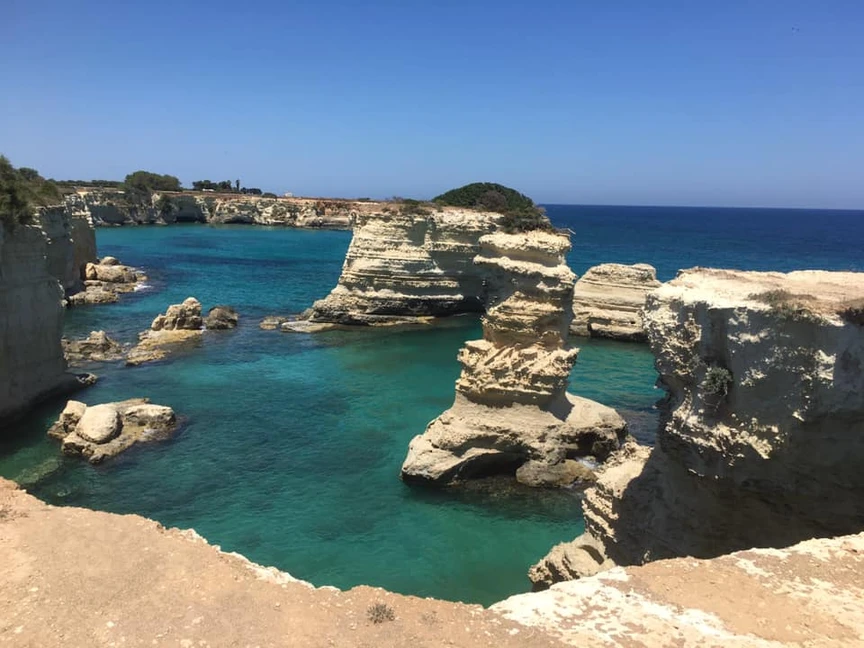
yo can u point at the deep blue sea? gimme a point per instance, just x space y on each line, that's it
292 443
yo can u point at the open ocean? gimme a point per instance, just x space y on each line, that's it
292 444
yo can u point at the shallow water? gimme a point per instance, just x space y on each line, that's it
292 443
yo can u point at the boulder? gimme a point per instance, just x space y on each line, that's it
99 432
97 347
185 316
221 317
99 423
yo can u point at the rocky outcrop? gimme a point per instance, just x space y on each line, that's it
221 318
71 245
512 411
100 432
180 326
760 442
608 301
405 266
105 281
63 566
113 207
96 347
32 366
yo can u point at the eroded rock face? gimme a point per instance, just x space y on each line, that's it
761 441
71 245
105 281
401 267
32 366
221 318
99 432
608 301
511 406
180 326
96 347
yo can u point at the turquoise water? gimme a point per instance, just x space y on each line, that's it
292 444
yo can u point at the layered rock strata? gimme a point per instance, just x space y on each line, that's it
761 437
105 281
512 411
100 432
75 577
96 347
32 366
111 207
403 267
608 301
181 325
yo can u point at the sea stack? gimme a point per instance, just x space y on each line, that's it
760 442
512 412
608 301
407 264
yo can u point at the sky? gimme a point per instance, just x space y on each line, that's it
689 102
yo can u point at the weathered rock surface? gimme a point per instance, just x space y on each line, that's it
71 245
111 207
75 577
180 326
96 347
761 440
105 281
511 405
32 366
608 301
402 266
221 318
99 432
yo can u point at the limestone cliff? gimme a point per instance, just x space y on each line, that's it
74 577
608 301
403 265
32 366
111 207
512 411
71 245
761 440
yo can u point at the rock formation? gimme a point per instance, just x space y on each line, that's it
408 265
32 366
105 281
179 326
220 318
99 432
73 575
96 347
512 411
761 437
111 207
608 301
71 245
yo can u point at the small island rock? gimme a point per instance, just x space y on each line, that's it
221 318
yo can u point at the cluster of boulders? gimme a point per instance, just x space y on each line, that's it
99 432
96 347
105 281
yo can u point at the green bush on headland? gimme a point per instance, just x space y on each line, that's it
21 191
520 212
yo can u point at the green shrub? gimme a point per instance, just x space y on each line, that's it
21 191
716 382
411 207
520 212
380 612
786 305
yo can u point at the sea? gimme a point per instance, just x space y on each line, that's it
291 443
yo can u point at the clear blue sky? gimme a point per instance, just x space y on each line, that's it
616 101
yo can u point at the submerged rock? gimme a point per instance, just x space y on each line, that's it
512 412
760 442
99 432
221 318
96 347
608 301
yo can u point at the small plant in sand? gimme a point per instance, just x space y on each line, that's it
380 613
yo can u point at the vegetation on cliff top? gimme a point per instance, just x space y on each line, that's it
520 212
21 191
